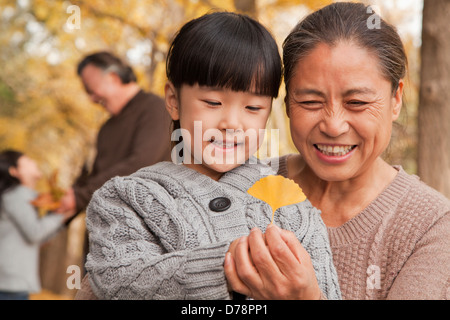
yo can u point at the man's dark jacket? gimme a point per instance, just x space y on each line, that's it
137 137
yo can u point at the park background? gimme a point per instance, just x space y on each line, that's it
45 113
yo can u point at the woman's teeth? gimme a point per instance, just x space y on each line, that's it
335 151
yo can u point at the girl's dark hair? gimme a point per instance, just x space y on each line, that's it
225 50
106 61
347 21
8 159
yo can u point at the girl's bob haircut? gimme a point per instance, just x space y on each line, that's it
225 50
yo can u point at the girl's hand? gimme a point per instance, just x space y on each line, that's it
273 265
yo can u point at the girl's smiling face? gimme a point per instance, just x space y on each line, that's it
221 128
27 171
341 110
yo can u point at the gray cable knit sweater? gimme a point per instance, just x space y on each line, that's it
154 234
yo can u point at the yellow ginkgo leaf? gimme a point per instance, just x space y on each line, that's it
277 191
49 201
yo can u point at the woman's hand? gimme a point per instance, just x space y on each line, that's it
273 265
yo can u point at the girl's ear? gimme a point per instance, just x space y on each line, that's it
172 101
398 101
13 172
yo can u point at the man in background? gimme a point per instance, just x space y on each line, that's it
136 135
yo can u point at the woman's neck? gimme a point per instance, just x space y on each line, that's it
341 201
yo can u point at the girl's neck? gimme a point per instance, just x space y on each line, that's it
28 184
205 171
341 201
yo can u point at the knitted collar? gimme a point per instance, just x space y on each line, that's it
242 177
385 204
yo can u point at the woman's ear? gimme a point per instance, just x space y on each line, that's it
398 101
172 101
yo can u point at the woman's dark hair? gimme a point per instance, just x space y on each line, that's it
351 22
106 61
8 159
225 50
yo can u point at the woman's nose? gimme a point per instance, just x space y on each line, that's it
334 123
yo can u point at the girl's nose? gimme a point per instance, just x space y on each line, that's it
231 119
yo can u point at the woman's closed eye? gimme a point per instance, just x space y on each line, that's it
357 104
311 104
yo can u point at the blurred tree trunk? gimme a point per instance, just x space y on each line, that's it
63 250
434 107
246 6
53 263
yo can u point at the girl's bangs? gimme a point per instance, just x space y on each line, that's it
226 51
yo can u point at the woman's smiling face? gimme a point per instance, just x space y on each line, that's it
341 110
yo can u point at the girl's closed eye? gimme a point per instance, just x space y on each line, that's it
253 108
212 103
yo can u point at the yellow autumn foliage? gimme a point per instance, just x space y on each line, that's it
44 110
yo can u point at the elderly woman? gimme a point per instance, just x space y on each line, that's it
389 232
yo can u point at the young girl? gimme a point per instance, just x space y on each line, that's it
163 232
21 230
